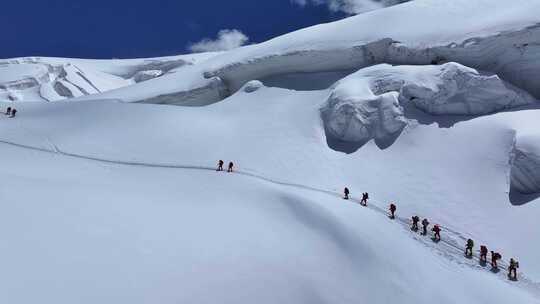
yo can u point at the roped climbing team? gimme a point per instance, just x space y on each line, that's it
495 256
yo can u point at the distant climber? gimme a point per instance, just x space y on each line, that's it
392 209
8 111
469 248
512 269
415 220
436 232
346 193
220 165
231 165
483 254
365 197
425 224
13 112
495 256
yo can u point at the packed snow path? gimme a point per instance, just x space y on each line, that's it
451 245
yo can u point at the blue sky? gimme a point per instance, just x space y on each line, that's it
141 28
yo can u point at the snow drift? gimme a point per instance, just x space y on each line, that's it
253 86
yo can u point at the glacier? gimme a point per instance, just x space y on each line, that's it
110 192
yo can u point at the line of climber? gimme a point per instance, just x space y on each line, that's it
415 219
363 201
495 256
11 112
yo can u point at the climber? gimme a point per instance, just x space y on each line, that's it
425 224
231 165
365 197
346 192
494 257
8 112
437 232
13 112
469 248
392 209
220 165
415 220
483 253
512 269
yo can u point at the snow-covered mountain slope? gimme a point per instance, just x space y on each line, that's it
497 36
107 200
458 176
90 232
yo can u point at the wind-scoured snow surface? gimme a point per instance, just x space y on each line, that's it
108 197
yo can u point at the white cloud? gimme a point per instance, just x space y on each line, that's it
226 40
350 6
